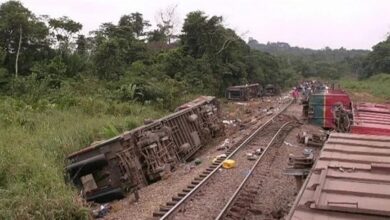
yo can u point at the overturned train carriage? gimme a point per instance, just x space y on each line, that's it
106 170
243 92
271 90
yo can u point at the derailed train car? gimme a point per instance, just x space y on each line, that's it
243 92
333 109
107 170
272 90
322 107
350 180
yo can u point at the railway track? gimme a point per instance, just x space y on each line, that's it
207 194
242 199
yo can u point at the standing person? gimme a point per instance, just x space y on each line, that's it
295 94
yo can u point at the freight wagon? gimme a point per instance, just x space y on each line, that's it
243 92
350 180
108 169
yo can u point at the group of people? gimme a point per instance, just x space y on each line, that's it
306 88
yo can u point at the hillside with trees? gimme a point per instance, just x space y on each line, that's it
326 63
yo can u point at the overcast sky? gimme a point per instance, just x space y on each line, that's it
356 24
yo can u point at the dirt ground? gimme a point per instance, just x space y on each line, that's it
240 119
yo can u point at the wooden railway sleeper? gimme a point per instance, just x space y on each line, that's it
158 214
195 182
176 198
171 203
165 208
182 194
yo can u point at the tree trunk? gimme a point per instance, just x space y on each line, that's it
18 52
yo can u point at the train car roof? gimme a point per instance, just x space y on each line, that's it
331 92
350 180
242 86
371 118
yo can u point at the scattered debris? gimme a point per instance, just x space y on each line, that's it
312 140
228 164
307 152
288 144
299 166
259 151
101 211
188 168
251 156
228 122
197 161
225 145
255 154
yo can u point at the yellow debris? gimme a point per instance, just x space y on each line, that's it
228 164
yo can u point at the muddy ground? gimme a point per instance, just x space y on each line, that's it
240 119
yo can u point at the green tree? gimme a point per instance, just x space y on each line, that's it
22 35
378 61
118 46
63 31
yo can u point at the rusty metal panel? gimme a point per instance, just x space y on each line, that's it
371 118
350 180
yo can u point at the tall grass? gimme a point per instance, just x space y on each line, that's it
377 85
34 142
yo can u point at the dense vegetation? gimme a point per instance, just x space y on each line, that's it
325 63
61 90
378 61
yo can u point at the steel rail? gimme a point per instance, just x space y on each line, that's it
195 189
236 193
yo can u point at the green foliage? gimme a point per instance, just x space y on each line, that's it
378 61
17 23
377 85
325 63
